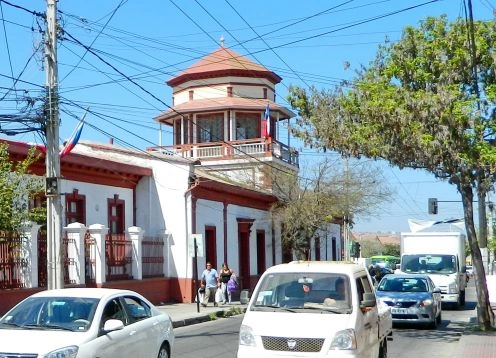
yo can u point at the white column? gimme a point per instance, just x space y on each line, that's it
166 253
136 235
29 252
99 232
76 252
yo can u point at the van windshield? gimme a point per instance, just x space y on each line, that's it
308 291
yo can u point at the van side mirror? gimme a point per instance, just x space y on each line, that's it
368 300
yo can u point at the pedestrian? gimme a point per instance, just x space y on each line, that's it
210 281
224 276
232 286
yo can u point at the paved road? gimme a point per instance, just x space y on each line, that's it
417 342
217 339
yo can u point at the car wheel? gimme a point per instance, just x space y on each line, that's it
439 319
434 323
383 349
163 352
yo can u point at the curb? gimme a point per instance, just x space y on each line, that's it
193 320
208 317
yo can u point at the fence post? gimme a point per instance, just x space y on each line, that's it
99 233
76 252
136 235
30 253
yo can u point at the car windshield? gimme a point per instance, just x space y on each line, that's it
309 292
400 284
68 313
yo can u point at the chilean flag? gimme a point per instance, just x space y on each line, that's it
74 139
266 123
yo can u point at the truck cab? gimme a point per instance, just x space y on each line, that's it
304 309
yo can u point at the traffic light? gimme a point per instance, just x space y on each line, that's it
432 205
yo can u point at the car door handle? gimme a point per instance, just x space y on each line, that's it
132 333
155 323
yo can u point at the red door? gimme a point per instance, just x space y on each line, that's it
244 253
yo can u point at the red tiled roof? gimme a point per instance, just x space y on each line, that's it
223 62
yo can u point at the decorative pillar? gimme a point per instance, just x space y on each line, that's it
99 233
136 235
29 252
76 252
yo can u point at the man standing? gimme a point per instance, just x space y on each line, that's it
210 280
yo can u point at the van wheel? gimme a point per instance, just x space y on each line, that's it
383 349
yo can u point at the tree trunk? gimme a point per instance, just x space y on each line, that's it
485 314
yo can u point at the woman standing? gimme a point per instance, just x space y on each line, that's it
224 277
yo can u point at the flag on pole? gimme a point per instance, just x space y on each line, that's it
74 139
266 123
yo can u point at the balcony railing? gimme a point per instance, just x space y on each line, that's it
237 149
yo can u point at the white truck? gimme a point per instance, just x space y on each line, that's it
440 255
315 309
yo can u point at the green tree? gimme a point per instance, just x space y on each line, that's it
392 249
16 188
419 105
329 193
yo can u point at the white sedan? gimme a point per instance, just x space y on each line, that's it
85 322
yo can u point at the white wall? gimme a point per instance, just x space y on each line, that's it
217 87
96 200
211 213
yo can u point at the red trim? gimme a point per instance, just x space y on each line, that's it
211 190
86 169
271 76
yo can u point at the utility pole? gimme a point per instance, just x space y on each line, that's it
52 159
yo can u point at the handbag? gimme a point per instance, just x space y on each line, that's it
218 296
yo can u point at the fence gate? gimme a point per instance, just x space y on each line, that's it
89 260
42 257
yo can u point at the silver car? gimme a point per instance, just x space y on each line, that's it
413 298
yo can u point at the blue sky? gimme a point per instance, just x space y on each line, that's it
142 44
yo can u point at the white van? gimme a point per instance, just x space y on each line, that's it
315 309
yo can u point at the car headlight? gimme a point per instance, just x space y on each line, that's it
66 352
344 339
426 302
246 337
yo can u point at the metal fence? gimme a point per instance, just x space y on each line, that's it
118 251
118 259
12 262
153 257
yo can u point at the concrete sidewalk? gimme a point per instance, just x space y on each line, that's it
471 344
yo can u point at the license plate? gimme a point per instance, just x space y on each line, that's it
399 310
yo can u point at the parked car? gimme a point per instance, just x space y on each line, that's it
413 298
86 322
